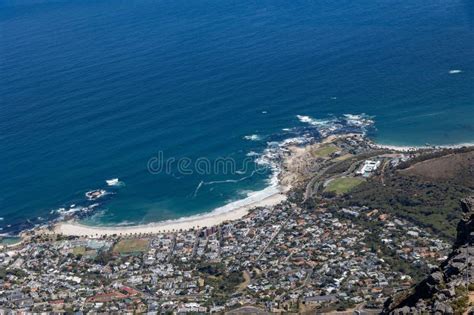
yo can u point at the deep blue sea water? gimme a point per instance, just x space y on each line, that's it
91 90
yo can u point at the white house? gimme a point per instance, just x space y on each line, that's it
368 168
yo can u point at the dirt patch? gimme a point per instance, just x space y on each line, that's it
131 246
246 282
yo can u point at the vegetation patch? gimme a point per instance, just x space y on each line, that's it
79 250
343 185
131 246
325 150
419 193
226 283
461 302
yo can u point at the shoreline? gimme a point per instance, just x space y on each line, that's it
407 148
74 228
272 195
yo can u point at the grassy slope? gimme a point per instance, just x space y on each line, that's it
425 192
325 150
344 184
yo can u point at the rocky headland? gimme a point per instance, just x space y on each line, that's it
446 289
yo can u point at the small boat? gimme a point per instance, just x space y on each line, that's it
113 182
95 194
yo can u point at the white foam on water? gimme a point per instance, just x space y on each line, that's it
113 182
253 137
74 209
455 71
225 181
361 120
313 121
325 127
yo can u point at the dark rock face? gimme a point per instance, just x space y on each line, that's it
466 225
445 290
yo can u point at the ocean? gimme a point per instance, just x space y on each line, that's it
96 90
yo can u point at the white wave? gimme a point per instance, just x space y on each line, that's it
325 127
113 182
253 137
361 120
252 198
313 121
63 211
244 192
253 153
296 141
125 223
73 209
197 188
455 71
225 181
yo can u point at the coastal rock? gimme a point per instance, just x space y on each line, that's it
442 291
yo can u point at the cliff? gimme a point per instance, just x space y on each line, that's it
446 289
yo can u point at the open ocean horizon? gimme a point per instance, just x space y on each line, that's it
95 90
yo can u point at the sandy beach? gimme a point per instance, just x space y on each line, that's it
290 175
209 219
268 197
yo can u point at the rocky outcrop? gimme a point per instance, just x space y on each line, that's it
446 289
466 225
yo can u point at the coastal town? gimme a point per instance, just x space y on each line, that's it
293 257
